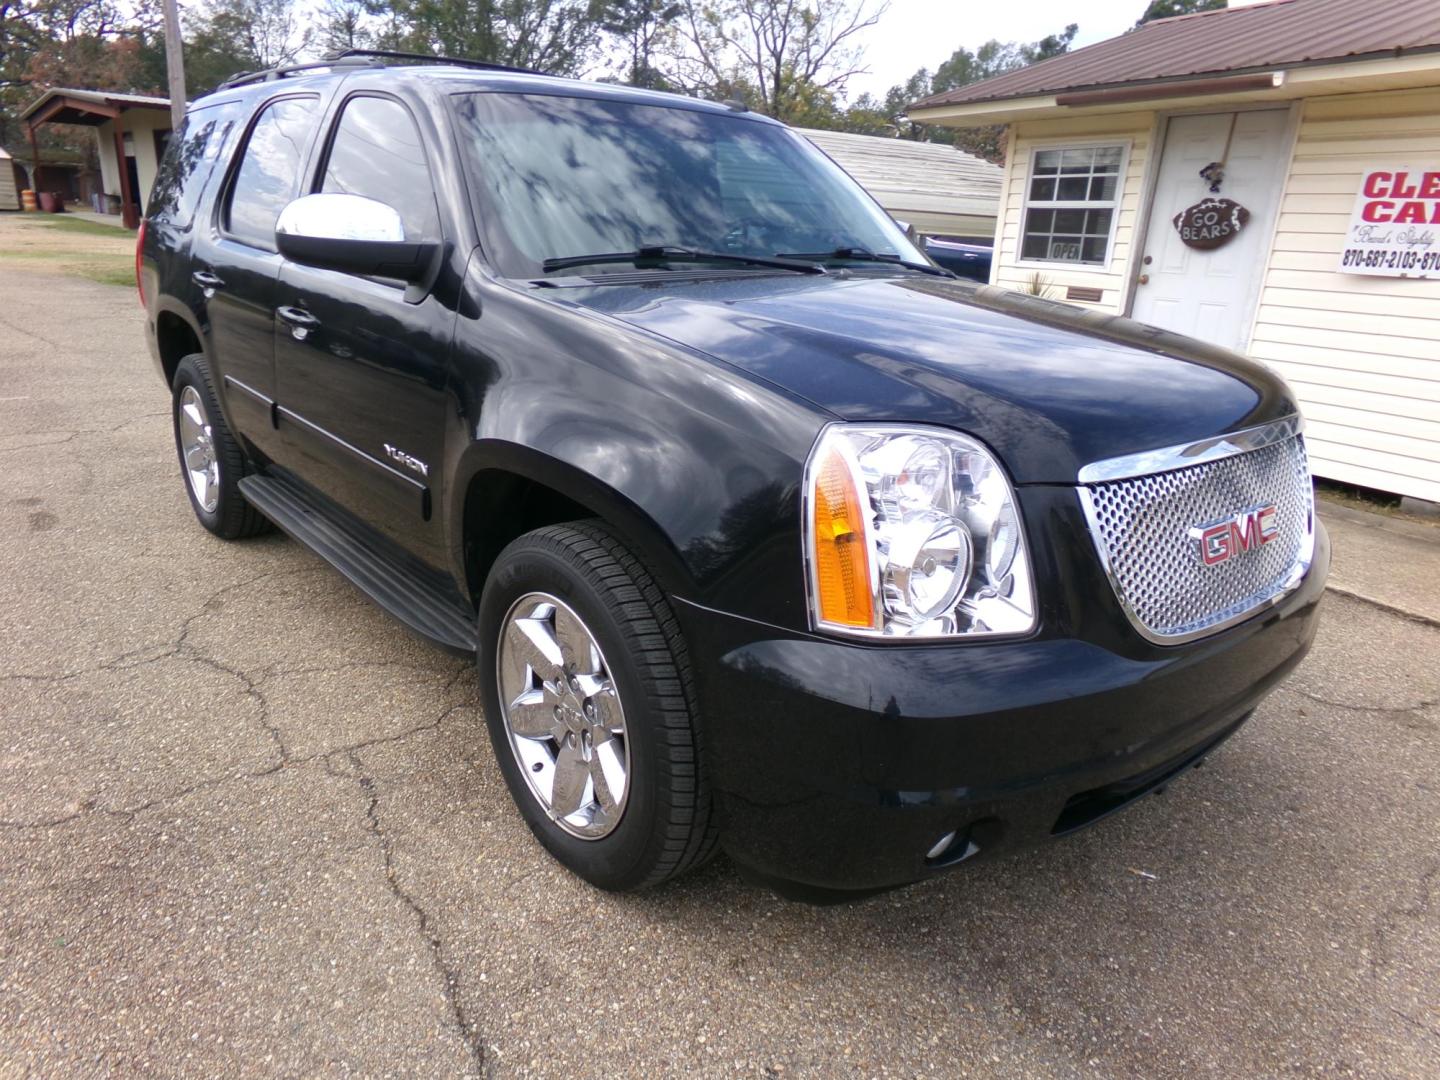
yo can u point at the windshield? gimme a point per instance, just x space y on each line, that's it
567 176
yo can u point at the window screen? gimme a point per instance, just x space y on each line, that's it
270 171
378 153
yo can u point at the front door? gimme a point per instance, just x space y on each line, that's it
1210 293
361 364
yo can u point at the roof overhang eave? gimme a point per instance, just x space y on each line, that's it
105 109
1285 82
979 113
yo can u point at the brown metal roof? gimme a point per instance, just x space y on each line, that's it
1260 37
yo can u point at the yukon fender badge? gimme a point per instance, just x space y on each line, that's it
414 464
1220 541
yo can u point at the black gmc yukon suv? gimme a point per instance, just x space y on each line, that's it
765 531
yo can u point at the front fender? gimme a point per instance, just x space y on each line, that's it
697 462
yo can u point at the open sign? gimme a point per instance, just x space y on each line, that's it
1211 223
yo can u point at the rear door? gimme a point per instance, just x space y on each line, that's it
235 264
361 362
184 174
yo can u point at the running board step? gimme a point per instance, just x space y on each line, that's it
394 580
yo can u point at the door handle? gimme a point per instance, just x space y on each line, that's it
207 281
301 321
1143 279
298 317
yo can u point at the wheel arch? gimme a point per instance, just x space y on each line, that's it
503 490
176 337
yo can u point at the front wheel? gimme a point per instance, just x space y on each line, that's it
588 699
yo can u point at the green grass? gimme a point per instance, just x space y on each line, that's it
108 263
105 269
33 255
120 274
78 225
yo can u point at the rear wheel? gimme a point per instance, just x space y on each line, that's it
590 708
211 460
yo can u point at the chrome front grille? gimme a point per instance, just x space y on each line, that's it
1148 529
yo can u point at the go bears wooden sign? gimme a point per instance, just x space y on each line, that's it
1211 223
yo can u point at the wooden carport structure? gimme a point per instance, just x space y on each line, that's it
92 108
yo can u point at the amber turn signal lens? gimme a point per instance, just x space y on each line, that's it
842 553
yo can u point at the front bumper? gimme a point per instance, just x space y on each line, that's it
838 765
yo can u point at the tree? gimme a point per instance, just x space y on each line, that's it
789 59
73 42
104 44
92 63
808 104
242 35
1165 9
20 35
639 25
963 67
1050 45
555 36
997 57
344 25
866 115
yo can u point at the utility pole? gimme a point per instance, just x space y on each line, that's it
174 64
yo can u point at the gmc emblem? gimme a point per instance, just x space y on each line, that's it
1221 541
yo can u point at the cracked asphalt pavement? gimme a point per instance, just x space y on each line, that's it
250 826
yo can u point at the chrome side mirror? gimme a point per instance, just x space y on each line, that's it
353 234
341 217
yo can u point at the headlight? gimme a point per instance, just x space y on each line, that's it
913 533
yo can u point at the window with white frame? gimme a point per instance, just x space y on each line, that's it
1071 203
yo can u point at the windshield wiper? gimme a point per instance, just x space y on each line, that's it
671 254
859 254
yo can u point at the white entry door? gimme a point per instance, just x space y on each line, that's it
1211 294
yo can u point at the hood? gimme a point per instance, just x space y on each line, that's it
1051 387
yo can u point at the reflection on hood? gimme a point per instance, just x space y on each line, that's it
1052 387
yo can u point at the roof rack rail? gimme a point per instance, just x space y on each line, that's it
245 78
426 58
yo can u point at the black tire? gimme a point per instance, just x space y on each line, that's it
667 826
232 517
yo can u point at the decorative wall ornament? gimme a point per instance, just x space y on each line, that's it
1211 223
1214 175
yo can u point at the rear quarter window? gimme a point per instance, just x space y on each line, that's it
189 162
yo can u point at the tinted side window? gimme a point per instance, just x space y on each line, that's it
270 171
377 153
189 160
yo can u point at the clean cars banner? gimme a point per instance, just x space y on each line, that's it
1395 226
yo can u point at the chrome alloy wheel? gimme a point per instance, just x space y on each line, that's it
563 715
197 444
